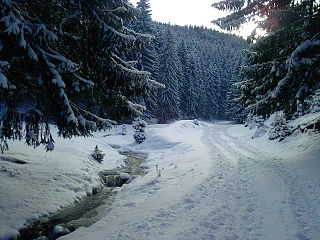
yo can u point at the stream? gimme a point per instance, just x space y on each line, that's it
88 210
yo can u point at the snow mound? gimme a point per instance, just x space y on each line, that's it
124 176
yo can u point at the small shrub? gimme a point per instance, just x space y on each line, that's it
97 154
123 130
196 122
139 137
279 128
139 127
253 121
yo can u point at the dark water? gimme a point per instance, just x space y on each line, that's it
90 209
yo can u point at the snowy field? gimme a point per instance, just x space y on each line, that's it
213 182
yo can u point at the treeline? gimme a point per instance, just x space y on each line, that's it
196 65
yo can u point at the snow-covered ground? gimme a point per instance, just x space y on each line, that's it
48 180
213 182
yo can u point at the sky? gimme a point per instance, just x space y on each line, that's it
188 12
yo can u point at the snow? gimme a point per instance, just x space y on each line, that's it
40 27
124 176
32 55
206 181
51 36
57 229
62 59
4 64
48 180
137 109
236 187
88 82
3 80
57 78
305 119
12 24
303 47
293 183
22 42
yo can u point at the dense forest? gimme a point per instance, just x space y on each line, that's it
83 65
196 65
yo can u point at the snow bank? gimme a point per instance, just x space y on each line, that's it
305 119
292 147
48 181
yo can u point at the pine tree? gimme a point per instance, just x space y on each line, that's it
97 154
192 87
212 89
168 99
139 125
63 62
205 61
279 128
314 102
234 110
283 67
147 57
184 83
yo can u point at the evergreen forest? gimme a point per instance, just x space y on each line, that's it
86 65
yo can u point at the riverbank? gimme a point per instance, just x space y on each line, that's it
90 209
35 183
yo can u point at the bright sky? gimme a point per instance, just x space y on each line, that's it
187 12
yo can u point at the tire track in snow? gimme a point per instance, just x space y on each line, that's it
264 198
301 195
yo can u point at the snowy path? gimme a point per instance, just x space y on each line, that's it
255 197
249 194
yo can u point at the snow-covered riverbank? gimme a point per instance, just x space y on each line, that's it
211 181
48 181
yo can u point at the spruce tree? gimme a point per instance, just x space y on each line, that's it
192 88
147 57
283 67
234 110
184 82
205 63
63 63
168 99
